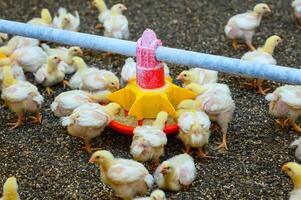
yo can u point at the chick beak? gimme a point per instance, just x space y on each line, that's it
285 168
124 8
117 86
91 160
80 52
164 171
269 10
180 77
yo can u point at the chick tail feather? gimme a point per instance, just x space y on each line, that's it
66 121
149 180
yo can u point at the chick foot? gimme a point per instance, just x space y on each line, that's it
260 89
18 123
99 26
88 147
214 128
282 122
237 46
66 83
187 150
49 91
296 127
252 84
201 154
223 144
5 104
251 47
37 119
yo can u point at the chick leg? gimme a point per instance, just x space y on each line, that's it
66 83
251 47
49 90
18 123
202 154
295 126
260 89
5 104
223 144
237 46
282 122
187 149
252 84
99 26
88 147
37 119
214 128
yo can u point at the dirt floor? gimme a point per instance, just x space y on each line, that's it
48 162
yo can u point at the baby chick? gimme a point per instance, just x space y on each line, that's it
66 21
45 20
175 173
21 97
3 37
116 25
217 103
89 120
296 4
155 195
17 71
30 58
51 73
65 54
285 103
92 79
242 26
148 141
263 55
194 131
17 42
104 12
297 144
293 170
127 178
64 104
10 189
198 75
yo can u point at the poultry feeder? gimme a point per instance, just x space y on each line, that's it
150 92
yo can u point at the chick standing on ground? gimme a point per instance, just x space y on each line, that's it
116 26
263 55
66 21
92 79
148 141
104 12
64 104
30 58
216 101
296 4
18 42
194 131
285 102
65 54
10 189
45 20
297 144
242 26
293 170
21 97
50 74
155 195
175 173
89 120
128 178
198 75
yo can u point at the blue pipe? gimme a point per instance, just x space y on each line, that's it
169 55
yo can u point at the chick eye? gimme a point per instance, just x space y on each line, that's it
97 157
112 83
55 57
289 169
185 75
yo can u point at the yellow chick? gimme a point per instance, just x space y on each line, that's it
66 21
293 170
51 73
21 97
92 79
116 25
263 55
10 189
148 141
45 20
127 178
242 26
89 120
17 71
198 75
18 42
64 104
65 54
104 12
175 173
155 195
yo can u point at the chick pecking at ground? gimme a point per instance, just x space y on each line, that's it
21 97
262 55
198 75
296 4
51 73
116 26
155 195
44 20
127 178
297 145
10 189
176 173
92 79
216 101
293 170
149 141
18 42
65 54
17 71
194 131
64 104
89 120
285 104
30 58
242 26
66 21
